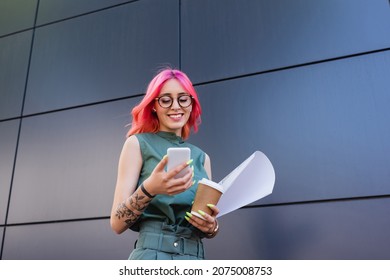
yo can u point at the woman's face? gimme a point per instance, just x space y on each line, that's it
174 117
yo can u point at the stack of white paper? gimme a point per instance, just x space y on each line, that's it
250 181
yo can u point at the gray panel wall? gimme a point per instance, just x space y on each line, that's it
14 57
89 240
324 126
1 232
47 175
306 83
16 15
100 56
55 10
353 230
8 139
227 38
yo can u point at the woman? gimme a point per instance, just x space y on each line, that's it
147 198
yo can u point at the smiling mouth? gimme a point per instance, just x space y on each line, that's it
176 116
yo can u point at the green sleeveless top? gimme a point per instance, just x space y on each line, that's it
165 208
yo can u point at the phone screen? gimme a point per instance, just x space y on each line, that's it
177 156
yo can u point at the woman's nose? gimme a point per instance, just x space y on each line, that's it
175 104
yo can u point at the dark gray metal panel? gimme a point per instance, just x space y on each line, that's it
1 237
16 15
67 163
84 240
8 138
334 230
52 10
14 55
101 56
224 38
324 127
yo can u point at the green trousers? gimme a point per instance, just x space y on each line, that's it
159 241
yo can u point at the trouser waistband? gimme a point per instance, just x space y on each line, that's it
170 239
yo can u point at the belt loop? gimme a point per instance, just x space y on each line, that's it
160 241
200 250
182 246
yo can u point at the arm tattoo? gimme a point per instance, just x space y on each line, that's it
123 212
138 204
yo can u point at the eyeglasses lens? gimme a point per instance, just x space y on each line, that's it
167 101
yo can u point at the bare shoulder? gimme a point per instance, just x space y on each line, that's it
132 145
132 141
131 151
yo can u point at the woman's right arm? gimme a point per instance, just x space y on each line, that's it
130 201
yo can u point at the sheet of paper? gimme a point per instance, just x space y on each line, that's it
252 180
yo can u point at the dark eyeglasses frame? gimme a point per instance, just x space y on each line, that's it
172 99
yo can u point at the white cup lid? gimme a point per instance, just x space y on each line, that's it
212 184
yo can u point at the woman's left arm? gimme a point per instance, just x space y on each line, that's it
208 225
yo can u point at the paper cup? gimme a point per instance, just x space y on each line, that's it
208 192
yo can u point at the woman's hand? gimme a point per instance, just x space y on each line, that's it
161 182
209 223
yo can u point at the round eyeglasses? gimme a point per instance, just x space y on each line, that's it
166 101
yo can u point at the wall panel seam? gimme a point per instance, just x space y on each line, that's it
86 13
16 32
315 62
205 82
306 202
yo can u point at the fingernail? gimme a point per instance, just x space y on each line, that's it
201 212
192 202
210 205
193 182
188 219
189 214
164 157
190 161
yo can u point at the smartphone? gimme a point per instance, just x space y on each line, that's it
177 156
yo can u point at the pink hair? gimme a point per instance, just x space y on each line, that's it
145 120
